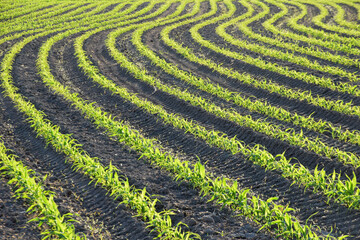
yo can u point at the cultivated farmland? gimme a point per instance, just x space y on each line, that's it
193 119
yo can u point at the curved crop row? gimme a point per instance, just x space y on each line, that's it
218 188
51 20
42 14
253 105
256 154
44 28
6 8
284 56
340 16
186 77
302 76
321 38
280 41
275 131
30 10
109 18
41 201
323 34
318 20
107 176
338 106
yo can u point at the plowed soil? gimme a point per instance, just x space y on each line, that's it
98 215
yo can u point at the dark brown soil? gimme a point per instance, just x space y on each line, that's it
98 215
13 217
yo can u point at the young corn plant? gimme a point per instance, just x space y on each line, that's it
196 176
107 177
318 37
272 130
218 139
253 105
42 204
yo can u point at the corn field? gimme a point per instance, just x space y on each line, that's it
169 119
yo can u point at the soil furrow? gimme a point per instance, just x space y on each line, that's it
189 111
282 25
258 28
171 56
222 163
301 107
71 10
315 11
13 216
74 192
97 214
274 76
307 158
350 13
140 174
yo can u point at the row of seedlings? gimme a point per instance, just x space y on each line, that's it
262 107
280 41
171 69
328 83
284 56
321 38
42 205
321 34
212 137
261 126
106 176
318 20
197 176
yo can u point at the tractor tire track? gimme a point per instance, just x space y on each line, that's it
266 184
